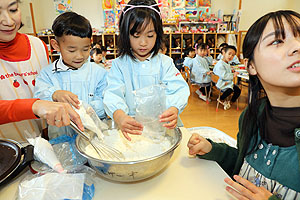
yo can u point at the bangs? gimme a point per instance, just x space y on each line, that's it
139 23
292 20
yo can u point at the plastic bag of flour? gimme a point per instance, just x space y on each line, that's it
150 103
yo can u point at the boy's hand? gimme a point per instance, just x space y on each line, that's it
244 189
198 145
127 124
66 97
170 116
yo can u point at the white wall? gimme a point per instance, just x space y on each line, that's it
92 9
253 9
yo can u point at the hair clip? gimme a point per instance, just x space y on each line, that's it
141 6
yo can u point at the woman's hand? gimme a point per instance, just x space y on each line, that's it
198 145
127 124
56 114
170 116
66 97
244 189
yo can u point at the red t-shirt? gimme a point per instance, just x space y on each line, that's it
16 110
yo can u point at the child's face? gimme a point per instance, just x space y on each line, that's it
202 52
74 50
143 42
277 61
228 56
97 57
10 19
192 54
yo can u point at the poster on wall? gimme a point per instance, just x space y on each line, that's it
204 12
178 4
109 18
205 3
107 4
190 3
120 4
179 13
165 3
191 13
62 6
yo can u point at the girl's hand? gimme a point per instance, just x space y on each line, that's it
243 189
127 124
56 114
198 145
66 97
170 116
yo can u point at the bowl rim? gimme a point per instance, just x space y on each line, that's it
175 145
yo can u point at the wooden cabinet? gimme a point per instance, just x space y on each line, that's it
176 43
53 55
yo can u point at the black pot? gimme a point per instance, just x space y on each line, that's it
13 159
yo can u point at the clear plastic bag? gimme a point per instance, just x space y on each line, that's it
90 119
76 184
150 103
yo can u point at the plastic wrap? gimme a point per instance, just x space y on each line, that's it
150 103
74 185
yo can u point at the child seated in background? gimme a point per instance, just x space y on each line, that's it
200 72
189 54
72 77
225 82
104 52
234 61
96 56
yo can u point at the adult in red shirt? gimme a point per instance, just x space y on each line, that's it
56 114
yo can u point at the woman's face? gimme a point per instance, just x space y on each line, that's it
10 19
277 61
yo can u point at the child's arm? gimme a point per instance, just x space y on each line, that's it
48 88
177 90
220 70
114 93
45 84
97 102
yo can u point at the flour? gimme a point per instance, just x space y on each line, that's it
139 148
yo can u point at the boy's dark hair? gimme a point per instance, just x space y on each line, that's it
134 20
187 51
223 45
230 47
70 23
95 50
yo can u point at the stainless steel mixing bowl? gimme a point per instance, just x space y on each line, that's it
134 170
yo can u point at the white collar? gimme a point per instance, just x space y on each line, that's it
59 66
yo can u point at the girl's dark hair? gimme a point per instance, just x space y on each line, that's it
201 46
187 51
134 20
230 47
95 50
70 23
253 119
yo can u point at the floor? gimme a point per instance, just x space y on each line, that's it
199 113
